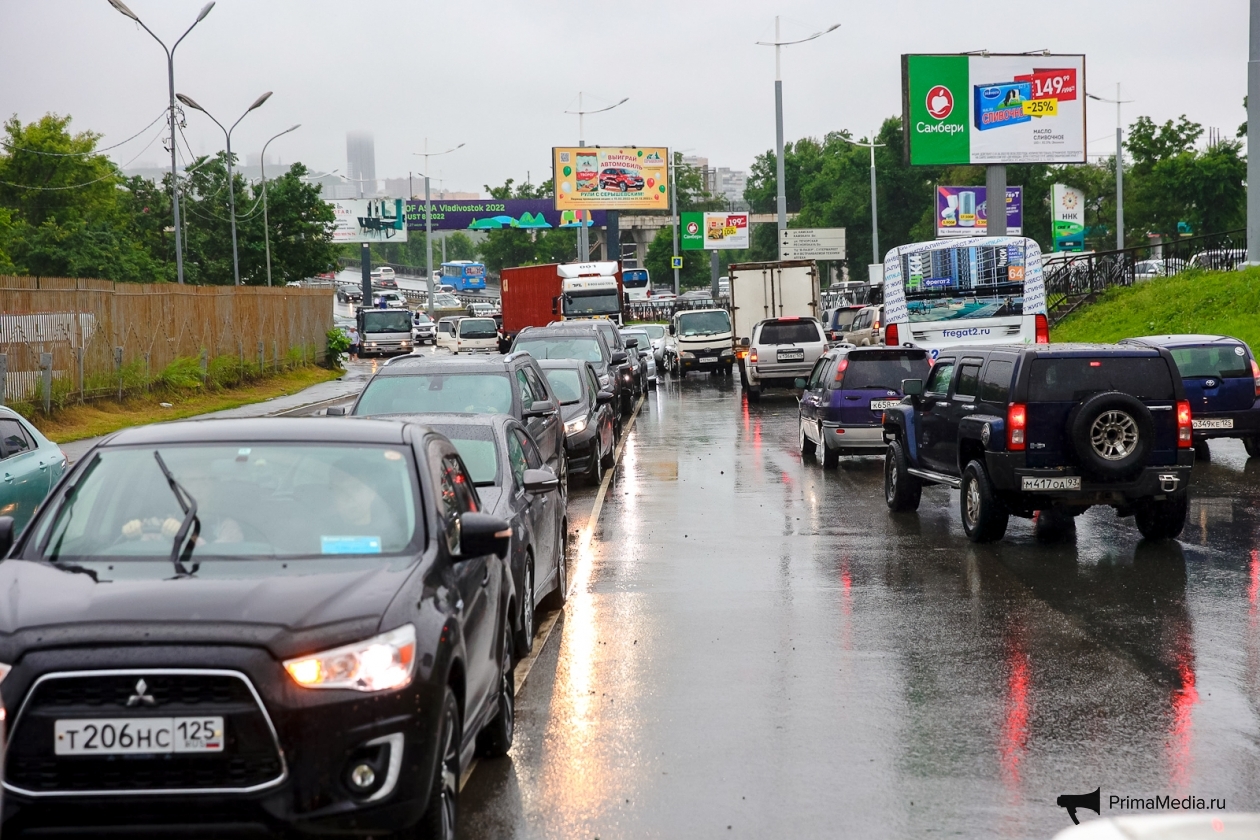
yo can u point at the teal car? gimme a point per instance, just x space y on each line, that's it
30 465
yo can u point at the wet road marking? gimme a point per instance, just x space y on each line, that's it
584 541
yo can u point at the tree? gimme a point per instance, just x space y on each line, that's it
301 225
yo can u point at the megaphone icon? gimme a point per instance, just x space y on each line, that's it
1072 801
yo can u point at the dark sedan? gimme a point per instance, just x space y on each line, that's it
282 624
589 439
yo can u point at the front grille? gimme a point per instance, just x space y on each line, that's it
251 758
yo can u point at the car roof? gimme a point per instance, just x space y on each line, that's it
559 364
1183 340
1065 350
417 365
446 418
277 429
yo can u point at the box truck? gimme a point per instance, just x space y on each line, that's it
764 290
537 295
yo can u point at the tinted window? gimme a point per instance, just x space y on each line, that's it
465 393
1069 380
885 368
842 319
478 328
995 386
516 457
567 384
537 383
532 456
791 332
585 349
942 372
816 376
1226 361
477 450
13 439
527 392
968 381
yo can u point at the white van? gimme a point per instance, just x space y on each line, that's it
468 335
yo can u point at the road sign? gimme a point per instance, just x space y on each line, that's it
675 262
811 244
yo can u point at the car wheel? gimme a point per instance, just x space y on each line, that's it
1252 445
610 457
984 516
561 593
902 491
496 738
1162 519
525 635
439 818
808 447
595 472
831 457
1201 451
754 395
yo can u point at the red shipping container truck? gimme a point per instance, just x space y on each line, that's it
530 294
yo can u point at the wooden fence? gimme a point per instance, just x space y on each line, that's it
94 334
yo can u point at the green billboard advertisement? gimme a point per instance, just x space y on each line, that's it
691 237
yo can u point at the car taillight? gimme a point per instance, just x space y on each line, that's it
1255 374
752 356
891 335
1016 426
876 324
1185 435
843 366
1043 329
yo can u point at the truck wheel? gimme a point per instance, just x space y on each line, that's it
1162 519
902 491
808 447
984 517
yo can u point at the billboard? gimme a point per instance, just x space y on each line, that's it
1067 217
714 231
964 211
624 178
982 109
369 220
490 214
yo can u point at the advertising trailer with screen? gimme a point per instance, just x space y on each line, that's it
993 109
369 220
610 178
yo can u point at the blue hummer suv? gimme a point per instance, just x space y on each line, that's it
1053 428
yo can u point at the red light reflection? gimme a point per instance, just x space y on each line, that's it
1014 741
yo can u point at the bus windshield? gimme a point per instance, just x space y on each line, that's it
635 278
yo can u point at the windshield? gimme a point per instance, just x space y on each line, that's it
592 303
654 330
386 321
425 393
1227 361
642 337
952 284
478 328
252 501
567 384
704 323
885 369
477 448
577 347
419 318
634 278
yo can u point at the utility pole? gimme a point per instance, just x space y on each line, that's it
674 220
1253 155
428 219
995 202
874 201
262 167
583 235
1120 162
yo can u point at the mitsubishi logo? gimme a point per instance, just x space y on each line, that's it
141 696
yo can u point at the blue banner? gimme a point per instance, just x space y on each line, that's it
491 214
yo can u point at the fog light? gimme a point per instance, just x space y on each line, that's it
362 776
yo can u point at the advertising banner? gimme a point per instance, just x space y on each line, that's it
963 211
489 214
981 109
627 178
1067 214
369 220
691 236
713 231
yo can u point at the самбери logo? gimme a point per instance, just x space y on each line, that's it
940 102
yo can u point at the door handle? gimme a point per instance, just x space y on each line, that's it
8 477
971 407
485 577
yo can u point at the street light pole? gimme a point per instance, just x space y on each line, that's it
428 220
262 166
780 177
673 211
170 84
227 132
583 236
874 207
1119 163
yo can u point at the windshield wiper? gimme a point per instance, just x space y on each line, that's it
189 505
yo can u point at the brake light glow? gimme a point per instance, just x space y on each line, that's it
790 318
752 356
892 335
1184 425
840 369
1095 364
1043 329
876 324
1016 427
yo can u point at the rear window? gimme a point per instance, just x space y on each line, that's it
1069 380
885 369
1226 361
461 393
477 450
478 328
790 332
842 319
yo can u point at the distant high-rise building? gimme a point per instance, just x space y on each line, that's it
730 185
361 162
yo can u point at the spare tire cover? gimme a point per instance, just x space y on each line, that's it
1112 434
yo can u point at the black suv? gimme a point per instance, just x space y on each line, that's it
1051 428
578 340
511 384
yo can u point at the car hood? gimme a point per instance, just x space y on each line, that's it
287 610
568 412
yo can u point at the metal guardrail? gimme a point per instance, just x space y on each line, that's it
650 310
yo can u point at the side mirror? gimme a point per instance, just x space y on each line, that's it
540 408
619 357
671 330
338 410
555 306
6 534
604 397
541 481
912 387
745 342
799 382
481 534
632 343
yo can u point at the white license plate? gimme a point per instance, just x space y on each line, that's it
1067 482
127 736
880 405
791 355
1212 423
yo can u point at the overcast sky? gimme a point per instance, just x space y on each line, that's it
498 75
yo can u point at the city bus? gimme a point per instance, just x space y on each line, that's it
979 290
636 284
464 275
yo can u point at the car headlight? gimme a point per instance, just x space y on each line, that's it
687 354
605 380
577 424
381 663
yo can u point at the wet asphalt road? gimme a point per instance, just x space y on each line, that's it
755 647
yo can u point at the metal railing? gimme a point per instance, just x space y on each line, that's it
652 310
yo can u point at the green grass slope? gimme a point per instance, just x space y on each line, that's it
1219 302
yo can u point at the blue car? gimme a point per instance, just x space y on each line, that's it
1222 382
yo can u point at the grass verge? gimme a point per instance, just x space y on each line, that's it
100 417
1215 302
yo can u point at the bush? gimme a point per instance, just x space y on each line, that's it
338 343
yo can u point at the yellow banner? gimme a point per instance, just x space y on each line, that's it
628 178
1041 107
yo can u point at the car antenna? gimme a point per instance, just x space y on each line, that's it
189 506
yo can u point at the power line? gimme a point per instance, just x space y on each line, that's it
116 173
13 148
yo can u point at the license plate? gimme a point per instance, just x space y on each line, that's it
1067 482
791 355
1212 423
880 405
129 736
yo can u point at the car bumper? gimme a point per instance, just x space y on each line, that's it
848 439
1241 424
777 376
580 447
707 361
1007 470
381 348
